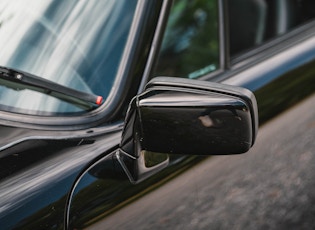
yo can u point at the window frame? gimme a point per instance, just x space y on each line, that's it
231 66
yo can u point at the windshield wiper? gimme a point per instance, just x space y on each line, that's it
28 81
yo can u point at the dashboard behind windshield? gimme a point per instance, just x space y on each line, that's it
78 44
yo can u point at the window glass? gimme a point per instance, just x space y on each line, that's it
190 46
78 44
253 22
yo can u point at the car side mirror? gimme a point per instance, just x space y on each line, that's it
192 117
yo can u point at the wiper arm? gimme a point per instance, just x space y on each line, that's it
29 81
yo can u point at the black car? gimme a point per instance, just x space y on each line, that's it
109 111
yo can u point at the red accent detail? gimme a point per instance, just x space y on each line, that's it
99 100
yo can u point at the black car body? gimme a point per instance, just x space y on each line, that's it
68 163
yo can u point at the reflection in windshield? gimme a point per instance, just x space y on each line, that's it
74 43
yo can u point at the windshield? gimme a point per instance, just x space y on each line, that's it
78 44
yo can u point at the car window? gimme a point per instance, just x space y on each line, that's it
190 46
253 22
78 44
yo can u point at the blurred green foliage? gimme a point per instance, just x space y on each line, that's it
190 45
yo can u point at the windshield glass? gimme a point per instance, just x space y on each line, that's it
78 44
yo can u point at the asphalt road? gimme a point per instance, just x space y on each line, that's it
270 187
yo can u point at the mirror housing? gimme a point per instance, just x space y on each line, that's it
192 117
183 116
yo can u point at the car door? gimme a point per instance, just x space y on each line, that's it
234 42
73 171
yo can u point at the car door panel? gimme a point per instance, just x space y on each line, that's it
279 82
40 185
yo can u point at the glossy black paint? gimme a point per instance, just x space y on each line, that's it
73 179
223 124
38 173
166 116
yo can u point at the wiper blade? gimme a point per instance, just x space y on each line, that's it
29 81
